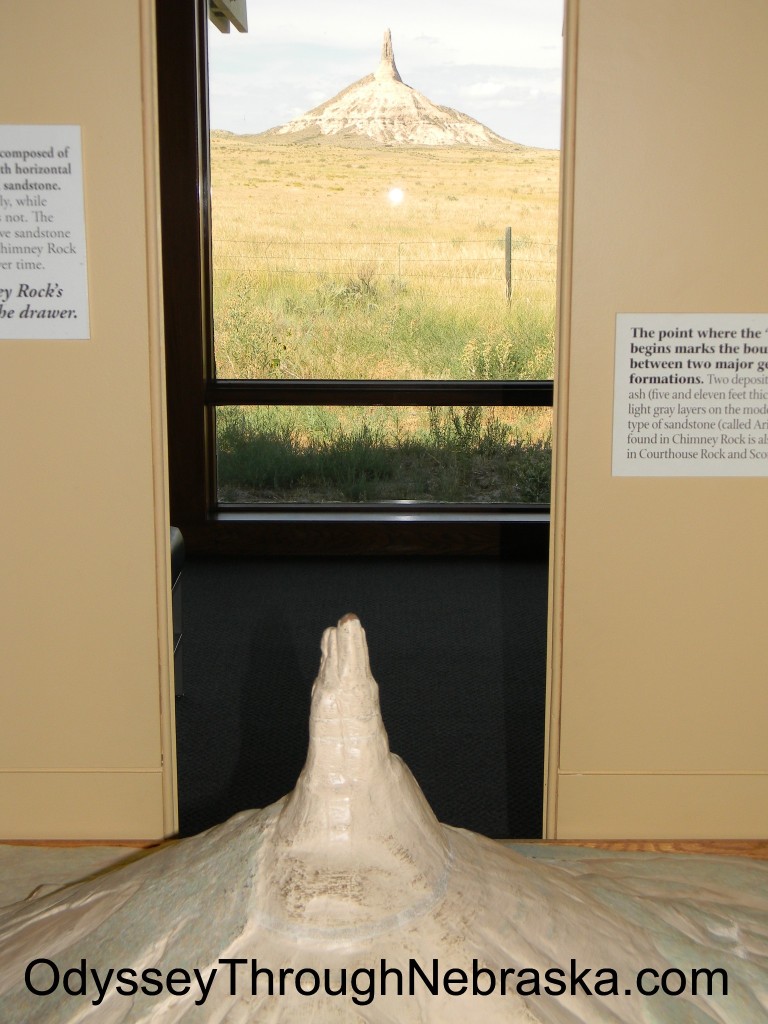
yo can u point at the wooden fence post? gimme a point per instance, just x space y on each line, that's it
508 261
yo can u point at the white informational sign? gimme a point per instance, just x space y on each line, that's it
43 268
691 394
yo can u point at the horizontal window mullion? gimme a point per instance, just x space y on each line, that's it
379 392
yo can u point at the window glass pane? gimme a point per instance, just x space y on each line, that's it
344 256
311 454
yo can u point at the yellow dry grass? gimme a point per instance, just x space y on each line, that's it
282 193
300 226
318 275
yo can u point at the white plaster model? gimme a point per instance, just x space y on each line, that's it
382 108
351 879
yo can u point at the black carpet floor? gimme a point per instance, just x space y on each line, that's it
458 648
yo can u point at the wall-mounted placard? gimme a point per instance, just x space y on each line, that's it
691 394
43 268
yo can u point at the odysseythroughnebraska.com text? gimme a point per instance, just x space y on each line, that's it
240 976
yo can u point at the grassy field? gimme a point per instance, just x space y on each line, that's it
318 275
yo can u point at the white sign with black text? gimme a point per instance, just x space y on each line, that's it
691 394
43 267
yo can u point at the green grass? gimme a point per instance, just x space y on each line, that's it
446 454
362 327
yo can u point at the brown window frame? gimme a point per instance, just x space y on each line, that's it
194 392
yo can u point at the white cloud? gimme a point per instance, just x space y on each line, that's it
484 89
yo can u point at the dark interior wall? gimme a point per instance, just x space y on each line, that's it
458 647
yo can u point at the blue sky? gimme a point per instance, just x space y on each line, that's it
496 60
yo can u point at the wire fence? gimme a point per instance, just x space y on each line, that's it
508 259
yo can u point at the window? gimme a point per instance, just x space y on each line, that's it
266 427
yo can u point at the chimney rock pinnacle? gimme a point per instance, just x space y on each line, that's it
387 67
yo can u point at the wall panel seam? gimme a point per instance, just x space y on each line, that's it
705 772
82 770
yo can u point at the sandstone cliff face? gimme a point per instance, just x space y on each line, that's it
381 108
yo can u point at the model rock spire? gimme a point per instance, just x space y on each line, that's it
270 915
358 786
357 822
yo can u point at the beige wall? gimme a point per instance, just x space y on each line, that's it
657 682
87 706
658 701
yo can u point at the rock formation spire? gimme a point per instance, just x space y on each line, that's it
383 109
387 67
357 821
349 885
